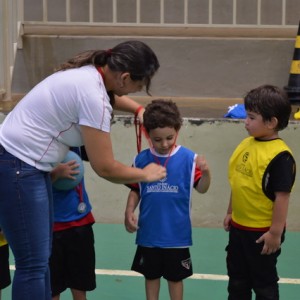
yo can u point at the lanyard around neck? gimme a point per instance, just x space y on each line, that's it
153 151
99 69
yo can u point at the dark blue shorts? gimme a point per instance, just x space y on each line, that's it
173 264
5 279
248 269
72 262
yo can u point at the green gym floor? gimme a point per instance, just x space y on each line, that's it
115 249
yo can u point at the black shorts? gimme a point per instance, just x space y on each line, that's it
173 264
5 279
72 262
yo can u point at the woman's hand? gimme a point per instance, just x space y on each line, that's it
97 141
140 113
154 172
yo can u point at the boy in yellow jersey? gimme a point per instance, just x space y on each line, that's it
261 175
5 279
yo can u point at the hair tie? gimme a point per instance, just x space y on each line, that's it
108 52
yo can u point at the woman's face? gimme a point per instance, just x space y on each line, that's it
125 85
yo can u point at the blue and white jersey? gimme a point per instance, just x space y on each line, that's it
65 202
165 206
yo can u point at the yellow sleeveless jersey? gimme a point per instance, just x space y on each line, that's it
247 166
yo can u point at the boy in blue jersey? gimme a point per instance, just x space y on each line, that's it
164 224
72 261
261 175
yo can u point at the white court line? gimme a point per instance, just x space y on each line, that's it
196 276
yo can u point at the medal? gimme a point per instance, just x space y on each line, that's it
81 207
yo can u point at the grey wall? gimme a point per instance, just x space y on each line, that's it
215 139
190 67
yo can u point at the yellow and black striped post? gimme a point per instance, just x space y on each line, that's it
293 87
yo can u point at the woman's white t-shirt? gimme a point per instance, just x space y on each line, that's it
46 122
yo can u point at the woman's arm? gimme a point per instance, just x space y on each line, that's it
99 150
125 103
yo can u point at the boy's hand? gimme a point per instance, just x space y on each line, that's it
65 170
131 222
271 243
69 169
202 164
204 182
226 222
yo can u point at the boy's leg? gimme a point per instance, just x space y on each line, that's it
265 277
270 292
177 267
149 261
152 288
263 270
177 264
79 246
239 289
5 279
78 295
239 284
57 265
176 290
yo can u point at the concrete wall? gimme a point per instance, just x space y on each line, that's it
190 66
214 138
254 43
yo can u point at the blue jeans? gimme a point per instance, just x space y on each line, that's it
26 217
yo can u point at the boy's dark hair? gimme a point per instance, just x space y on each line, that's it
269 101
162 113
